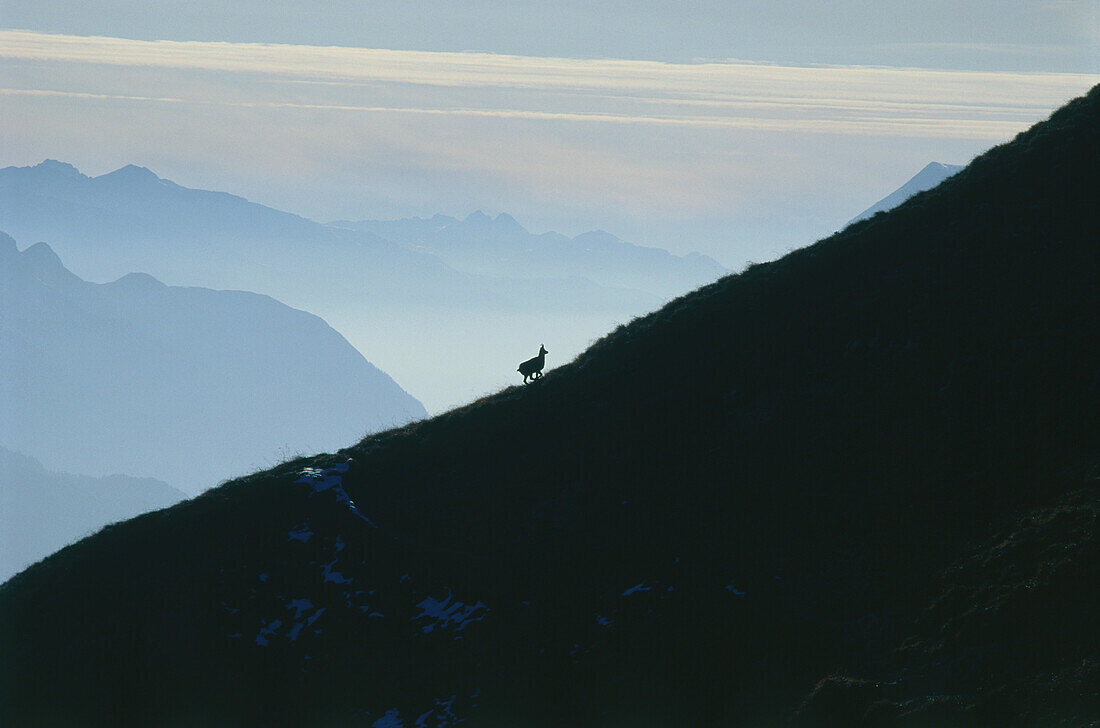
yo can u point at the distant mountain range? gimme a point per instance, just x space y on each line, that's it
932 174
853 487
41 511
448 334
187 385
131 219
500 246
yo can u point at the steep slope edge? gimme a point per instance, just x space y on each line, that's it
932 174
41 511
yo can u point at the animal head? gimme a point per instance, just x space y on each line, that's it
542 350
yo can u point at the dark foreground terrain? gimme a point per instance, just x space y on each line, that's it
854 487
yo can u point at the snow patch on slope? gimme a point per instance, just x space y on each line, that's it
442 715
449 613
392 719
329 570
330 480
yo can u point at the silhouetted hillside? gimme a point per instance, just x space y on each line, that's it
1009 635
710 511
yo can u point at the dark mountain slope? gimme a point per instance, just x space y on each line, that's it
1011 630
704 514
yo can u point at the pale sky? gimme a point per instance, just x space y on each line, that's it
737 129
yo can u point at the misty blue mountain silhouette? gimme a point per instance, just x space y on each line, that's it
187 385
102 225
130 219
41 510
399 304
932 174
500 246
852 487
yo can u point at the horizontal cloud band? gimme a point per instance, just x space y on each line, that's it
733 94
911 127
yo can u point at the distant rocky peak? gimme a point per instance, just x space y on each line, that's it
941 167
44 263
139 282
504 221
42 254
49 170
477 217
597 236
931 175
935 172
53 166
132 172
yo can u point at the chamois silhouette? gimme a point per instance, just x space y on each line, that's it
533 367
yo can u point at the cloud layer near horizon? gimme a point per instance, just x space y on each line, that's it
733 94
737 159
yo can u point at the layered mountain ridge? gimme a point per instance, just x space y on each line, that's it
732 511
399 304
500 246
102 378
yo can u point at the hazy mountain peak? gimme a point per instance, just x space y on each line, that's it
939 167
44 264
132 172
42 257
596 236
55 166
504 221
477 217
139 282
931 175
46 170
